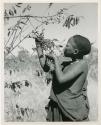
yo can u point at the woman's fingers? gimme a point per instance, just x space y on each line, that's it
37 40
49 57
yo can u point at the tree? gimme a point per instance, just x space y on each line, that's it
15 33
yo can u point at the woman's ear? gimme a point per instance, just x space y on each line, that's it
76 51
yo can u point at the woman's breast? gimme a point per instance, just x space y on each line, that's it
74 85
78 83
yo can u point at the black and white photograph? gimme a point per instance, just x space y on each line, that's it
51 62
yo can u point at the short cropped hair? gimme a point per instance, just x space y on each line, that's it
83 45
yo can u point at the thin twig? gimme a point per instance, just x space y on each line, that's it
9 38
19 43
31 24
11 34
13 38
19 33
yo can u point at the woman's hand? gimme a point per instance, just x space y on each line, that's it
38 42
51 61
52 56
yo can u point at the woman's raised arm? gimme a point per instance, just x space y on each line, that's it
42 57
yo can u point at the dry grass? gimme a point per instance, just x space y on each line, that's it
27 103
31 101
93 99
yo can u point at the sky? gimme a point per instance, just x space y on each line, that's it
87 27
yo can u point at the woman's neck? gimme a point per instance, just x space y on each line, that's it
76 59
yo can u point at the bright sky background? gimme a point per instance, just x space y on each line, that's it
87 27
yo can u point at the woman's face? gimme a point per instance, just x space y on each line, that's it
70 48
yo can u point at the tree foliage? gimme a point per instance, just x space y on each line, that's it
23 19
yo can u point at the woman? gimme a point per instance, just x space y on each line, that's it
68 96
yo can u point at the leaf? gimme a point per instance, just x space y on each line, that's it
71 19
5 13
77 20
19 27
60 46
23 10
72 22
34 49
55 40
17 106
11 12
50 4
46 22
29 36
8 33
67 22
22 22
28 7
9 28
22 111
14 10
17 5
65 8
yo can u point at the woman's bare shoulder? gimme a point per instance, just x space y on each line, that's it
82 64
79 65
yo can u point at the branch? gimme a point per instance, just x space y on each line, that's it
9 37
29 16
17 35
18 44
11 34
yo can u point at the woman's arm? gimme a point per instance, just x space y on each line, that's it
42 57
75 70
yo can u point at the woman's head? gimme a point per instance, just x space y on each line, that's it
77 46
